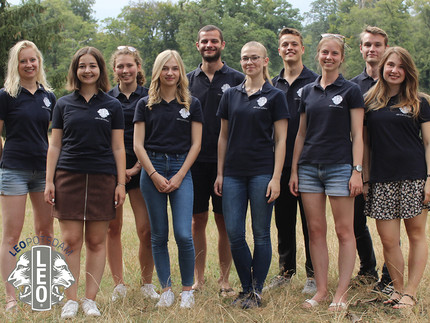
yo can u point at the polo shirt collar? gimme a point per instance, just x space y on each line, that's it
264 89
99 95
338 82
223 70
305 71
116 91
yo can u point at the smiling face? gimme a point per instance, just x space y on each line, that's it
253 60
290 48
394 71
88 71
28 64
170 73
210 45
126 69
372 48
330 55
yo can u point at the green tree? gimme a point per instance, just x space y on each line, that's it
24 22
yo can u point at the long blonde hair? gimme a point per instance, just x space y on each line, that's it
13 80
378 96
182 95
260 46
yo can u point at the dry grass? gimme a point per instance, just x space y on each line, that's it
282 305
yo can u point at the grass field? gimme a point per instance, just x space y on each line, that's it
281 305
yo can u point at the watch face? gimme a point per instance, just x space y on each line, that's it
358 168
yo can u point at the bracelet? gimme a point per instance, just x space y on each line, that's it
152 173
366 182
120 184
139 162
428 175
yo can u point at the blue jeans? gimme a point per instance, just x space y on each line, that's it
236 192
181 202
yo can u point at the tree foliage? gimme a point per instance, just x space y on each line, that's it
60 27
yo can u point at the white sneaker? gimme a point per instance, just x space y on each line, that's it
70 309
148 290
90 307
310 287
119 292
166 299
187 299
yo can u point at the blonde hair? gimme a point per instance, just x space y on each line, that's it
260 46
73 82
127 50
183 95
339 39
378 96
13 80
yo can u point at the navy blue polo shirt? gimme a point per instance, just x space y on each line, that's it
364 81
87 132
26 120
209 94
293 93
328 129
128 108
397 150
250 146
168 125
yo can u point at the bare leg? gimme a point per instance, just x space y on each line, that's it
199 223
114 247
224 252
72 236
314 205
143 229
43 220
389 231
95 243
418 254
13 210
343 213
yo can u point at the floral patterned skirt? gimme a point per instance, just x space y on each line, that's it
395 200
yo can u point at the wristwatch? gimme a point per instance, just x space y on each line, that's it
358 168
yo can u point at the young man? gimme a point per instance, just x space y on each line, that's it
373 43
207 83
291 79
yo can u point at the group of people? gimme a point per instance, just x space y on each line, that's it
232 138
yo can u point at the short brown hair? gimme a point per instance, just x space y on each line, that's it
290 31
374 31
73 82
210 28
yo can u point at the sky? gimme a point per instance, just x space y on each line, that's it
112 8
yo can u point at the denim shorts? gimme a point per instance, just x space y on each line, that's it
21 181
331 179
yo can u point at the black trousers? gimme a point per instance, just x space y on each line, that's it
286 219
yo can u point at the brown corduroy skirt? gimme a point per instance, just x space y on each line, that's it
84 197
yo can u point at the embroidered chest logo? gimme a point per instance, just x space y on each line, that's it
184 113
225 87
103 112
337 99
405 110
261 103
299 92
46 102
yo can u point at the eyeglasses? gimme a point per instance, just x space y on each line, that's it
130 48
338 36
253 59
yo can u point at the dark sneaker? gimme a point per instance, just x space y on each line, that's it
252 301
277 281
368 278
383 287
239 299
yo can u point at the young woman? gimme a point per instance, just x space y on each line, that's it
128 72
85 176
26 102
251 153
398 128
167 140
327 159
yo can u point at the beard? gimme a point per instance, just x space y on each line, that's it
212 58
